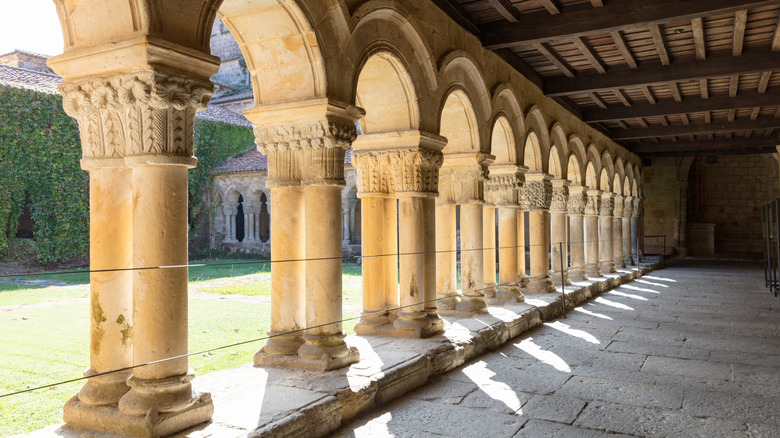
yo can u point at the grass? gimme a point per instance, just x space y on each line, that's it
42 344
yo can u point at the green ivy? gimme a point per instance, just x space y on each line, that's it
39 161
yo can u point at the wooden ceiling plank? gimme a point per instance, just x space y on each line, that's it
776 37
622 97
538 27
745 99
590 54
642 123
553 56
705 146
740 21
704 88
456 12
552 6
505 8
714 66
708 117
733 85
599 101
695 128
624 50
698 38
648 94
675 91
660 44
518 64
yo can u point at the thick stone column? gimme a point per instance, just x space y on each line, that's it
502 190
407 176
373 247
606 256
538 192
305 143
558 241
142 116
628 208
489 253
635 231
576 209
617 232
592 242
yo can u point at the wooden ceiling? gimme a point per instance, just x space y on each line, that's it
660 77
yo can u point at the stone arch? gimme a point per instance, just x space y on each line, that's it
535 121
502 141
459 123
591 180
558 137
554 167
532 154
577 150
574 170
505 103
635 190
286 61
385 89
617 178
608 170
457 70
605 184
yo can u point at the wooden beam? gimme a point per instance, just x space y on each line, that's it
590 54
518 64
733 85
735 151
695 129
675 91
691 105
538 27
704 88
623 48
506 10
755 112
660 44
740 20
764 82
648 94
597 3
714 66
553 56
776 37
552 6
706 146
599 101
622 97
698 38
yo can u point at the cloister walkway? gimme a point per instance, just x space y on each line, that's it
690 350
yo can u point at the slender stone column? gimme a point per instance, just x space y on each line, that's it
390 254
446 257
503 190
606 257
489 253
635 231
412 319
429 262
522 263
628 208
576 208
558 242
617 232
471 263
538 192
230 223
592 242
373 266
345 233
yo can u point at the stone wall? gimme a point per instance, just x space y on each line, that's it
661 192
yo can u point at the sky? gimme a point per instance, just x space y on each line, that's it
30 25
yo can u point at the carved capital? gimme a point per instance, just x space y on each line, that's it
617 206
538 194
305 152
397 171
577 202
144 113
607 205
628 206
502 190
230 210
559 199
593 205
462 185
637 207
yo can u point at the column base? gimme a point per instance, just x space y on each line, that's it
324 353
523 280
279 345
608 267
628 260
542 285
371 324
413 325
436 323
577 274
471 305
619 263
103 390
489 291
509 294
593 271
80 415
556 278
447 303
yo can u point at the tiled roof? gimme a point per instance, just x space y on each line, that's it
243 95
219 114
253 161
29 79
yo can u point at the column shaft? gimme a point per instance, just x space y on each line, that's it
628 258
606 258
429 262
558 247
507 255
471 263
390 251
373 246
446 257
489 254
592 267
617 242
540 281
577 247
522 277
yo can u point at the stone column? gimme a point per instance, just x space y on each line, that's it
606 257
628 208
576 209
504 185
592 242
305 143
617 232
635 231
471 263
390 253
522 263
489 253
142 116
558 241
345 233
352 225
230 223
538 192
446 257
373 247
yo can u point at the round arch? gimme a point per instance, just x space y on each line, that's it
459 71
574 170
536 123
502 141
591 180
554 167
385 90
459 123
505 103
532 154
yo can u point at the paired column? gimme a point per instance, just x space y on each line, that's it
137 140
592 242
628 208
502 190
489 253
558 241
305 144
230 223
617 232
576 209
606 257
407 178
538 193
635 231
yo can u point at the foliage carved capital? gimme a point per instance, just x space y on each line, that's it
502 190
397 171
538 194
559 199
617 206
577 202
462 184
607 206
637 207
593 205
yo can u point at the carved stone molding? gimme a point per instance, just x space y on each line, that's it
628 206
607 206
617 206
637 207
593 205
462 185
559 199
230 210
311 153
142 113
577 202
503 190
397 171
538 194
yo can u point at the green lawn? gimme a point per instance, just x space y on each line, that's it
49 342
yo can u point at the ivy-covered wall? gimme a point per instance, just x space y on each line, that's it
39 161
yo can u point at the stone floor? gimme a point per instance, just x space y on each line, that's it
690 350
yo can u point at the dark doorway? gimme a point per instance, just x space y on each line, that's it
240 219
